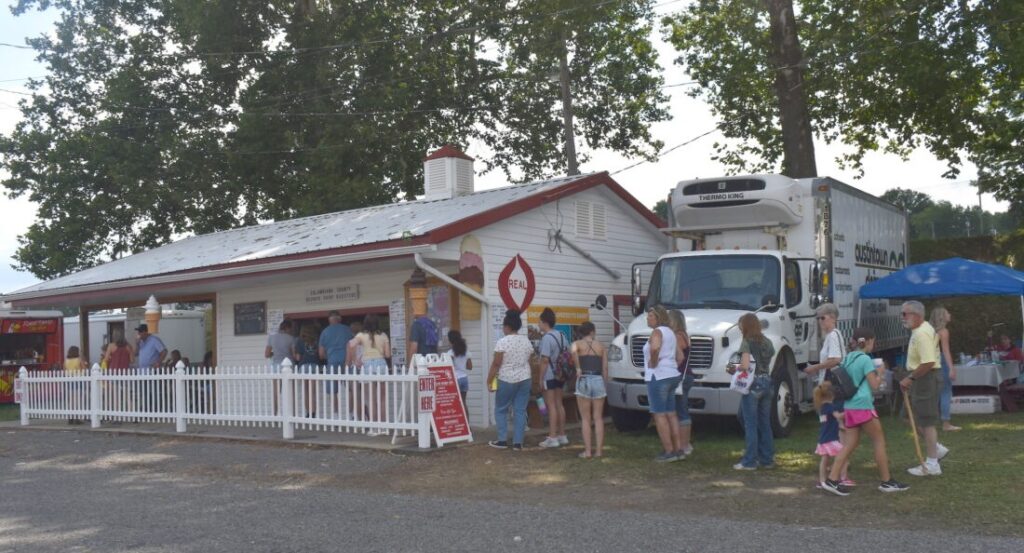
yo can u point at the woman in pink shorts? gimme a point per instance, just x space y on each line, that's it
861 417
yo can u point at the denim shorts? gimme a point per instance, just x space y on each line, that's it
375 366
554 384
683 401
661 394
591 386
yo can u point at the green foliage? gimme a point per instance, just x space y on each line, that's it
164 118
885 75
911 201
661 209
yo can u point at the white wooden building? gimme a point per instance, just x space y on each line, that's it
580 236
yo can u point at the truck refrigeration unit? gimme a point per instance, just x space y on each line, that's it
775 246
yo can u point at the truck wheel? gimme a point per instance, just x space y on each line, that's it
782 406
626 420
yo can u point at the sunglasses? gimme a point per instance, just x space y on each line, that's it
822 317
906 314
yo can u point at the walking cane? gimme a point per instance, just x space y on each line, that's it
913 427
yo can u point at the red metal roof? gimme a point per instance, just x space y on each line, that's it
448 151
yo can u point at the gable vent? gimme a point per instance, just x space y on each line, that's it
591 221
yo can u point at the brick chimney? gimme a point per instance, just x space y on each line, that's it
447 173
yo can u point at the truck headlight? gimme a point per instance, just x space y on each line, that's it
735 359
614 353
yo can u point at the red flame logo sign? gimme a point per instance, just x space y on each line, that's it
516 284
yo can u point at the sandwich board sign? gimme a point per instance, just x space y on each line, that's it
448 418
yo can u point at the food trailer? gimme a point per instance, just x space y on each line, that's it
30 339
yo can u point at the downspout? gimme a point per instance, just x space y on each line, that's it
485 318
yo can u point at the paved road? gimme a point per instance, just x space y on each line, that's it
77 492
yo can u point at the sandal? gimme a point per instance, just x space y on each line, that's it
583 455
950 428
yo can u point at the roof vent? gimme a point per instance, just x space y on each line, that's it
447 173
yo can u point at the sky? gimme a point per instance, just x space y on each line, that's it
649 182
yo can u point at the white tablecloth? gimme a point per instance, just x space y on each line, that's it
988 374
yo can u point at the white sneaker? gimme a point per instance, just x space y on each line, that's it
688 450
926 470
373 433
563 440
942 450
550 441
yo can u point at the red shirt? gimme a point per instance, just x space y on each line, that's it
1012 354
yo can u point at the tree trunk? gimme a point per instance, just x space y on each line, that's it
797 135
567 123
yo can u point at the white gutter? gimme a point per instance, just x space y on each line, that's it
222 273
485 318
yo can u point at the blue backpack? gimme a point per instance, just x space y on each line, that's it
429 330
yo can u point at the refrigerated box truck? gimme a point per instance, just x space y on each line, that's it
768 244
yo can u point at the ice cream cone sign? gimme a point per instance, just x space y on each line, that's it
153 315
471 273
516 284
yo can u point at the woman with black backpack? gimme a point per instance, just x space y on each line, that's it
860 414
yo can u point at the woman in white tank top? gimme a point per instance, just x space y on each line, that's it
661 371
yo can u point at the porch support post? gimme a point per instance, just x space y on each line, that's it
83 333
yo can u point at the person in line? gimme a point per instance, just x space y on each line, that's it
462 361
552 344
278 348
833 350
119 353
940 320
1008 351
923 384
423 337
73 366
756 352
591 375
677 321
307 360
661 371
860 415
511 366
333 351
829 446
118 356
376 349
152 353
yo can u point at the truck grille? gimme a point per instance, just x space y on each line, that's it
702 351
636 348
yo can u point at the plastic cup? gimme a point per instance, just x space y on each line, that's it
879 364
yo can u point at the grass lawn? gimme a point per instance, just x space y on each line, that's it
980 487
9 412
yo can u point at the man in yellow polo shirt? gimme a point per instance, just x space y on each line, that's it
923 383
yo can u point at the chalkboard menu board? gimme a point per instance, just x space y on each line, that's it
250 318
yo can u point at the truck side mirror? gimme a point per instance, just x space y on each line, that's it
814 285
637 291
601 302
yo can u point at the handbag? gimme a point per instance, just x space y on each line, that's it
741 381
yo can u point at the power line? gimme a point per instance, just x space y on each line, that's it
665 152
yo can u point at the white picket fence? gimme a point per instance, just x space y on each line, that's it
340 399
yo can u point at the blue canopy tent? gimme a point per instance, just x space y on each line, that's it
947 278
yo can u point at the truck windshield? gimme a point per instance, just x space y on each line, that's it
743 282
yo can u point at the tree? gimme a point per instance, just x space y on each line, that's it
661 209
163 118
911 201
878 75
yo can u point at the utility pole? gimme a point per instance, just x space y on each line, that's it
570 135
981 216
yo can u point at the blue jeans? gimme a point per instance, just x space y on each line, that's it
946 393
683 401
756 411
513 395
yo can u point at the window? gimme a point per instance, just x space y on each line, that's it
793 295
591 221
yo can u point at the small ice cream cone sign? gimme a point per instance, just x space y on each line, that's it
153 315
471 273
